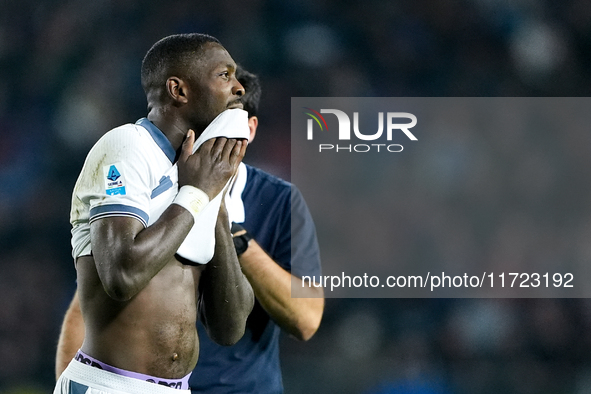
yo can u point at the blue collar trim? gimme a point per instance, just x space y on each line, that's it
159 138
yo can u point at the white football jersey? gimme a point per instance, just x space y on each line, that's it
128 172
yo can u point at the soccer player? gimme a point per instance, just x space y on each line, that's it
139 303
265 254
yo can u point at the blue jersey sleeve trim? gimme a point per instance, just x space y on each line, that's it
118 210
159 138
165 184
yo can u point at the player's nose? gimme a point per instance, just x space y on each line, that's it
238 89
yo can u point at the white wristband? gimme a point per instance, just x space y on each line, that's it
192 199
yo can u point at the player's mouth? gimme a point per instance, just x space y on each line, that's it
236 104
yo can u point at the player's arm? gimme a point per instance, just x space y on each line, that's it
71 336
226 295
296 245
272 284
128 255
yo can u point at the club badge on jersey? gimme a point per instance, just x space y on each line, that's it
114 180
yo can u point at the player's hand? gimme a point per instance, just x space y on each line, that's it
212 165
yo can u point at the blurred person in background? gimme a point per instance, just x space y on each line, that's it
278 255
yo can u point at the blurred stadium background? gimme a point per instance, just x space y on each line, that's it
69 71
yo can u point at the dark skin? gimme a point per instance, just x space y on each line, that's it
138 301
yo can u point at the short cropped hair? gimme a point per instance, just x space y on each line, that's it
171 55
252 88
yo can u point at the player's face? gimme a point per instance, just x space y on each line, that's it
214 85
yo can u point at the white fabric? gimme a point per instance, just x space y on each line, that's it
141 164
103 382
145 169
192 199
199 245
234 203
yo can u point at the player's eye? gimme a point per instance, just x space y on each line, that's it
225 74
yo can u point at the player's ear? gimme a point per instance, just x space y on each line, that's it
253 123
177 89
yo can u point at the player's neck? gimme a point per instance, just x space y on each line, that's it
173 128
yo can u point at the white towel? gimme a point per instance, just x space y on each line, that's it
234 203
199 245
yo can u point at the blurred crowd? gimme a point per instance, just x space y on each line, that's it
69 71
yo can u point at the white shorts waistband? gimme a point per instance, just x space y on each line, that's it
110 382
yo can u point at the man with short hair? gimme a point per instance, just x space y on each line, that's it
141 194
273 257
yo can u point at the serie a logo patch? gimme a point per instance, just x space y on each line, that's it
114 180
